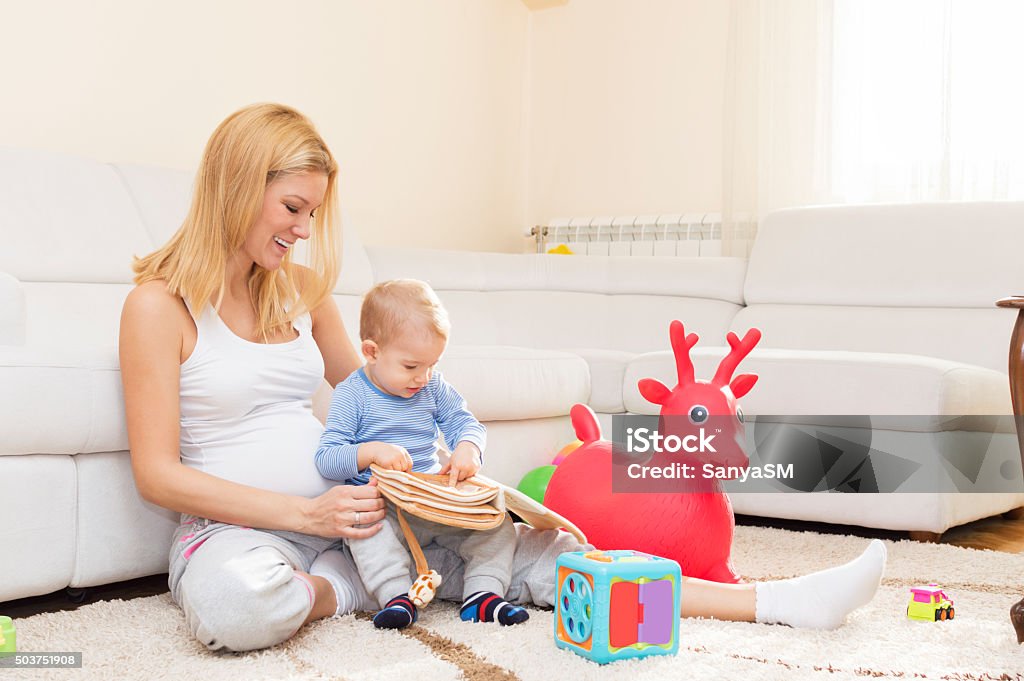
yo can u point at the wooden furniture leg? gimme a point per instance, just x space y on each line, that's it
1016 369
1016 395
1017 619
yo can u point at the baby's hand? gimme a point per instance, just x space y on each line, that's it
392 457
464 463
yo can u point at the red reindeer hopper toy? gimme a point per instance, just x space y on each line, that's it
694 525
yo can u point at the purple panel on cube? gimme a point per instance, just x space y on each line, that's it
656 599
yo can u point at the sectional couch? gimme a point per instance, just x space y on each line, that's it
865 310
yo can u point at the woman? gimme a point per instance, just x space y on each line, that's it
224 340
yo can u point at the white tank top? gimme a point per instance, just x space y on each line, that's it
246 408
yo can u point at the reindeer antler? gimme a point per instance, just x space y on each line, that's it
681 344
738 350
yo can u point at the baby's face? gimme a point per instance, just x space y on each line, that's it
404 366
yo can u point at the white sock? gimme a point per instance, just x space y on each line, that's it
822 600
337 567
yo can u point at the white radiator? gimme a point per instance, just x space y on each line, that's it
673 235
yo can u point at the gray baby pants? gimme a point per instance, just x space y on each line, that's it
385 563
239 587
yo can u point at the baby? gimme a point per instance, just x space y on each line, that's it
390 413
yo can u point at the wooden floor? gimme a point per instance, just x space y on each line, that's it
996 534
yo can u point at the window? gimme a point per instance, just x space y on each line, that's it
926 102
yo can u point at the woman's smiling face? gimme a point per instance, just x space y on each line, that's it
289 203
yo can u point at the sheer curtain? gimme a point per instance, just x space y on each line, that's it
927 99
867 101
777 112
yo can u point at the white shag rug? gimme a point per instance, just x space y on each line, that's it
146 638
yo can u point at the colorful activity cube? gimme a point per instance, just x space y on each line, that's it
8 641
614 605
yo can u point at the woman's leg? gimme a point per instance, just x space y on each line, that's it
820 600
733 602
348 593
325 601
242 589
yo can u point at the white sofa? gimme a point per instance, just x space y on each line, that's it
872 310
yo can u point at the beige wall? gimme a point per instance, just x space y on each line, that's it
421 101
625 108
458 123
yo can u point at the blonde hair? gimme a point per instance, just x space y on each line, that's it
391 305
250 149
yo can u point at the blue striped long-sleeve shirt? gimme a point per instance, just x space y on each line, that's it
360 412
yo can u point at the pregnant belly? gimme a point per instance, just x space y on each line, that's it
272 452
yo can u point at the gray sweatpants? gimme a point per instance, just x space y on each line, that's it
239 587
385 563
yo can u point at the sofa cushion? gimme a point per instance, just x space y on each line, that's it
161 196
356 276
916 278
838 383
120 536
38 533
87 313
75 220
915 255
12 311
566 302
715 278
564 320
969 335
77 392
607 371
503 383
83 390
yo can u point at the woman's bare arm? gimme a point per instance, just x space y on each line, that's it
152 326
340 357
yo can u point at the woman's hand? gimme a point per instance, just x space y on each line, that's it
349 511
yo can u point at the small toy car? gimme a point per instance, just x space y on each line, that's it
930 604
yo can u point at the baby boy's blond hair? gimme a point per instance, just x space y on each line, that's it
399 304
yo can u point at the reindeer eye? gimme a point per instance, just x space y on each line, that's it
739 413
698 414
